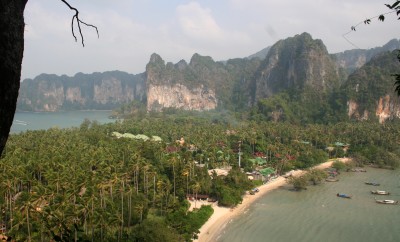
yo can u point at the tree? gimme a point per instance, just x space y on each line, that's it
154 230
12 29
11 52
316 176
299 183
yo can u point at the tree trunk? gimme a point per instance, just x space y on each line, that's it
11 52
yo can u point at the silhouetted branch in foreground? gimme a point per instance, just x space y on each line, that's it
78 21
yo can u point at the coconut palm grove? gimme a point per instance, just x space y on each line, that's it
90 184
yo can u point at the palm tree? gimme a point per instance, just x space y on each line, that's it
196 188
139 208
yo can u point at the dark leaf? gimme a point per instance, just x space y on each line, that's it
394 4
381 18
353 28
397 84
367 21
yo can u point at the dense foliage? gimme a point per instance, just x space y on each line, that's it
312 176
309 106
85 184
373 81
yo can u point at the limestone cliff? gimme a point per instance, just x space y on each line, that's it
387 108
354 111
179 96
83 91
370 89
296 63
298 80
183 86
351 60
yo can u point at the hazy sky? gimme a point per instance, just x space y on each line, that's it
131 30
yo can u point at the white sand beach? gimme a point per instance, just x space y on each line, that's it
210 231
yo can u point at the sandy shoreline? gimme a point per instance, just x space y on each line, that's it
210 231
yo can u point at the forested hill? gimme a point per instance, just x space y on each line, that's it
296 79
352 60
370 91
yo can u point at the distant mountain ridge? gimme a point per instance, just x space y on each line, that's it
102 91
351 60
299 66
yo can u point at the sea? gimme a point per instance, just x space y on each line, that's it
317 214
24 121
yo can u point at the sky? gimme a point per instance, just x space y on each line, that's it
130 31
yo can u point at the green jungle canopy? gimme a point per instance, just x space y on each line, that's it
267 171
258 161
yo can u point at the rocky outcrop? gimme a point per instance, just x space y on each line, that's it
351 60
74 95
370 89
184 86
387 109
179 96
112 90
355 113
296 77
83 91
296 63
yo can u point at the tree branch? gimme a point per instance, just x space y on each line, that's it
395 8
78 21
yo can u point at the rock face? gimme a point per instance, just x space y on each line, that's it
295 72
83 91
351 60
387 109
370 89
296 63
113 90
354 112
179 96
183 86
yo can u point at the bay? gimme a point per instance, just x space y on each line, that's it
24 121
318 215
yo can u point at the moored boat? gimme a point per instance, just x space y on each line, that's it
372 183
378 192
358 170
331 179
343 195
387 201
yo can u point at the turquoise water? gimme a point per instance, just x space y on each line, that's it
318 215
44 120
